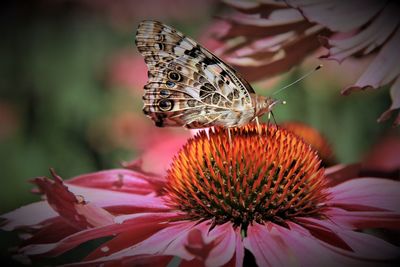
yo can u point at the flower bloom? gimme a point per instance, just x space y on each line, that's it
262 197
271 37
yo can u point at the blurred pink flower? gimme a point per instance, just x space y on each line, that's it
384 157
129 130
268 37
217 203
128 69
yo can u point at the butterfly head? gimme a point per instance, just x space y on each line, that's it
266 104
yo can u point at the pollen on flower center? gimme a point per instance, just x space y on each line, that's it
274 176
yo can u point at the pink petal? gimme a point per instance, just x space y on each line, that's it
141 222
239 256
324 233
383 69
205 244
364 246
94 215
124 240
192 263
395 96
294 52
372 192
120 180
225 238
141 260
312 252
53 230
377 32
168 241
106 198
71 207
268 246
182 239
280 21
253 7
146 260
196 244
307 250
274 245
339 16
28 215
364 219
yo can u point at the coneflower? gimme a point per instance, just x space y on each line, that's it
262 197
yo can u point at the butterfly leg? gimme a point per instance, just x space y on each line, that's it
229 136
258 126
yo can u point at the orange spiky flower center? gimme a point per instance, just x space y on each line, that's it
272 176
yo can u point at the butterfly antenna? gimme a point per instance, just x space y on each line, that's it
299 79
273 117
271 114
229 136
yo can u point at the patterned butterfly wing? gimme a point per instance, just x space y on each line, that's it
188 85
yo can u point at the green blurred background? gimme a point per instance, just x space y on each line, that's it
70 91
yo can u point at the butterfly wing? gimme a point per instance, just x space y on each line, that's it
188 85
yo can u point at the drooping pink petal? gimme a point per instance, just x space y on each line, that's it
305 249
121 180
395 96
254 7
214 247
267 38
283 20
292 53
324 234
363 246
372 192
374 35
268 246
196 245
311 251
145 260
139 224
168 241
192 243
274 245
352 14
365 219
124 240
383 69
239 250
51 231
223 238
28 215
141 260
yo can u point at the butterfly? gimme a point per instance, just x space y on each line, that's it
191 87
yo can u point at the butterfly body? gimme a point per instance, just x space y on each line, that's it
189 86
